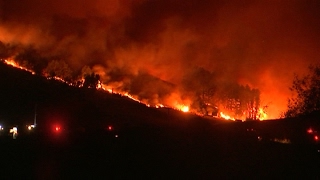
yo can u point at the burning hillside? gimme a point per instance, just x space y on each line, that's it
242 103
153 49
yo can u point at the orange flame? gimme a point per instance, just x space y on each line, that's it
176 105
227 117
11 62
262 115
185 108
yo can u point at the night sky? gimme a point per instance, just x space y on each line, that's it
261 43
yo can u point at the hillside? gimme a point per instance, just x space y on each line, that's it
22 93
144 142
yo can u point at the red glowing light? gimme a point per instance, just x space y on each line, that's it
109 128
310 131
57 128
316 138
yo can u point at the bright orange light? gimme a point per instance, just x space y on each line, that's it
16 65
159 106
224 116
185 109
262 115
182 107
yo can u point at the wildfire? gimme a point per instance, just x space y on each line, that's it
131 97
57 79
262 115
159 106
16 65
182 107
185 109
224 116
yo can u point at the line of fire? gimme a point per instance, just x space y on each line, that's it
231 101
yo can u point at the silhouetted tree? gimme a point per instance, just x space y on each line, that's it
203 84
306 91
240 100
91 81
59 69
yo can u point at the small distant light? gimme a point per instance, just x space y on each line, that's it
259 138
57 128
109 128
310 131
14 132
30 127
316 138
116 135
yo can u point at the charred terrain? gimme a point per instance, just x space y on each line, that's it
107 136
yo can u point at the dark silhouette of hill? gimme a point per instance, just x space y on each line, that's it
21 92
146 143
56 102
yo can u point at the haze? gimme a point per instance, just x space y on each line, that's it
259 43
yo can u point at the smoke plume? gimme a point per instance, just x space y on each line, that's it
140 45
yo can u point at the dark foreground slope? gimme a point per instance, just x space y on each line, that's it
143 143
194 150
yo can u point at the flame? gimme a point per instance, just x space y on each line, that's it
159 106
58 79
182 107
185 109
262 115
11 62
227 117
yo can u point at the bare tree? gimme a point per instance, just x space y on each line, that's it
306 91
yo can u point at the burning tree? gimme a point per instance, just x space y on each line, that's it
91 81
89 78
241 101
306 90
213 94
204 85
59 69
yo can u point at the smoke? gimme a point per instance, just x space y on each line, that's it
143 44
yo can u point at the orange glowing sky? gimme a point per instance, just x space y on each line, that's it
261 43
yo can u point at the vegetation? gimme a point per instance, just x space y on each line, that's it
59 69
213 93
306 90
92 81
